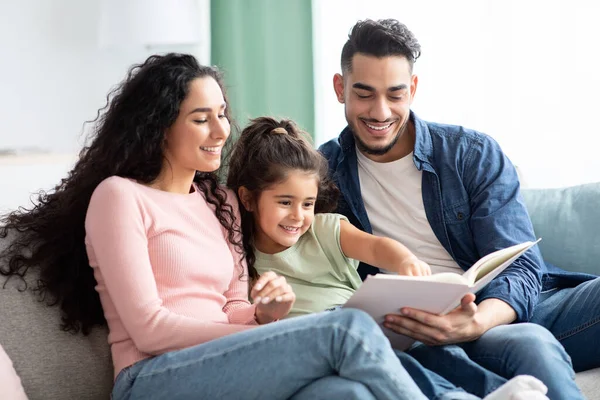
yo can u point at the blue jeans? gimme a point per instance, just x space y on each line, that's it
327 355
507 350
573 317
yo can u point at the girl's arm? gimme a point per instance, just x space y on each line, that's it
380 252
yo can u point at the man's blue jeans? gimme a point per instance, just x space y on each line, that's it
507 350
340 354
573 317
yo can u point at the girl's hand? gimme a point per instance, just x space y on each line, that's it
412 266
273 297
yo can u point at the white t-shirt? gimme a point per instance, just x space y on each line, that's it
394 203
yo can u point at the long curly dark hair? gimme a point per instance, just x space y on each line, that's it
266 151
127 141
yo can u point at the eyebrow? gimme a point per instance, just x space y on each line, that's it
362 86
288 196
206 109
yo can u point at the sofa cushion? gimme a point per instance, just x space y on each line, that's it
568 221
52 364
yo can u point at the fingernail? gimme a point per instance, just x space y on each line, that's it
278 299
265 300
258 286
257 299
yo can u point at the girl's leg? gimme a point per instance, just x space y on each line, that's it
275 361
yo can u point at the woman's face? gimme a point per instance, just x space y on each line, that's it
196 138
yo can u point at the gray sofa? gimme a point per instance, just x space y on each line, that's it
56 365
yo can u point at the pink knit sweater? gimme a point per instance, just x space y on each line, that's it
167 277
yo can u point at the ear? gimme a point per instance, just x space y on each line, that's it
338 86
413 87
245 198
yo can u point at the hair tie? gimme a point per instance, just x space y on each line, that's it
279 131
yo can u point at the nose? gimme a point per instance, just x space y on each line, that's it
297 213
220 129
380 110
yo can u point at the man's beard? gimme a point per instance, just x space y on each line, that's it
377 151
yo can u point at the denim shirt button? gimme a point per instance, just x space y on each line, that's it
460 216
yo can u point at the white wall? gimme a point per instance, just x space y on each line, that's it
524 72
53 77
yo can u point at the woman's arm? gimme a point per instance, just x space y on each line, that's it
117 235
378 251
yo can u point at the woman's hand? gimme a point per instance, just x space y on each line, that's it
273 297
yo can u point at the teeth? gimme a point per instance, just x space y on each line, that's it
290 228
211 149
378 128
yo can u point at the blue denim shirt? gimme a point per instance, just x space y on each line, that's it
472 201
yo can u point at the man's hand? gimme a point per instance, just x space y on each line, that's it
466 323
273 297
460 325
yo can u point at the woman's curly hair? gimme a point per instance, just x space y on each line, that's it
127 141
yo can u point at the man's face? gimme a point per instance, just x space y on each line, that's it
377 95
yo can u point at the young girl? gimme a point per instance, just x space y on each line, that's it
141 236
281 182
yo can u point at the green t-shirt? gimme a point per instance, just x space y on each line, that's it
320 274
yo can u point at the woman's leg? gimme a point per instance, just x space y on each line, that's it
453 363
526 349
334 387
275 361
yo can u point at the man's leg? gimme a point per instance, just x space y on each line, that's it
573 316
526 349
433 385
452 363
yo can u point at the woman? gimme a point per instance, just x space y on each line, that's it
144 209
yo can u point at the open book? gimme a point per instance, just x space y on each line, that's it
441 293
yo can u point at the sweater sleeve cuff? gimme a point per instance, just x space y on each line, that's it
244 315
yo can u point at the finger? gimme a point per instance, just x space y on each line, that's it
287 298
266 287
261 282
274 288
415 330
427 268
468 298
435 321
284 297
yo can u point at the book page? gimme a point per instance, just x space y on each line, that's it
447 277
384 294
490 266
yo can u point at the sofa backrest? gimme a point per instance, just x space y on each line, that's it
51 363
568 221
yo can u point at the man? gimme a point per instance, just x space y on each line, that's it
451 196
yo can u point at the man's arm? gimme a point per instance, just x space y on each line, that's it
498 219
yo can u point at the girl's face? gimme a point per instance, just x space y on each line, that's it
285 211
196 138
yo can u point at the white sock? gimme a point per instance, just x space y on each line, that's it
522 387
